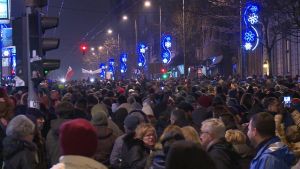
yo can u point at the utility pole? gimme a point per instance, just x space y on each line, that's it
32 95
183 33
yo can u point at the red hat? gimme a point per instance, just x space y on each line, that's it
205 101
78 137
121 90
295 101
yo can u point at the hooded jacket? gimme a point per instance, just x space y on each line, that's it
77 162
273 155
19 154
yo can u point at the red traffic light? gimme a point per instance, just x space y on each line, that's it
163 70
83 48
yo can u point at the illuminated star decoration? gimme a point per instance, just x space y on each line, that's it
166 45
123 60
250 18
141 55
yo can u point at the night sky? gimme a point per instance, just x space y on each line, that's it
79 20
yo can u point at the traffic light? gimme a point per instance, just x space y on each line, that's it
164 73
83 48
39 45
44 44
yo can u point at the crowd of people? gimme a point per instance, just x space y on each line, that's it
153 124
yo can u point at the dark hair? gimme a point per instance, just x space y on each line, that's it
268 101
188 155
81 103
170 138
264 124
64 110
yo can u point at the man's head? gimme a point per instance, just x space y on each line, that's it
261 127
212 129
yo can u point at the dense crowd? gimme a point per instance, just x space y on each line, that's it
140 124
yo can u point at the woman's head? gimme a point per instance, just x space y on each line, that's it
147 133
190 134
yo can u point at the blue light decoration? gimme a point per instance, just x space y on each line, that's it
250 34
111 67
123 60
141 50
166 43
103 68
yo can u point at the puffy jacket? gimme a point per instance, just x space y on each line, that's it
273 155
77 162
18 154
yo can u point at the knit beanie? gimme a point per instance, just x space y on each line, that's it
78 137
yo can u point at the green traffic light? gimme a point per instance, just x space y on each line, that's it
46 72
164 76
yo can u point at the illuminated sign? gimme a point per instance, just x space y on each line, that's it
4 11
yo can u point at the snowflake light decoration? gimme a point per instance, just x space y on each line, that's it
253 18
254 9
248 46
249 36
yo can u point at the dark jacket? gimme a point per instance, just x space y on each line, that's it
18 154
223 155
106 140
134 154
273 155
52 142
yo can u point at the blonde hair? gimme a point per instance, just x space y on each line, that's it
235 137
190 134
168 129
142 130
215 127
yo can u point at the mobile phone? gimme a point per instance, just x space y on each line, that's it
287 101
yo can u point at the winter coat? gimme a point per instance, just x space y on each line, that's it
52 142
116 152
134 155
18 154
77 162
223 155
106 140
273 155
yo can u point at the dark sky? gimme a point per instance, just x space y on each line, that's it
79 20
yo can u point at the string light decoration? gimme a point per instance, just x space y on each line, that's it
123 60
166 44
251 19
102 72
141 50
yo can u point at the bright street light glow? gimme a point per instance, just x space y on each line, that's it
109 31
92 80
63 80
125 17
100 47
92 48
147 4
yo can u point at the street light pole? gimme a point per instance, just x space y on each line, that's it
136 35
183 33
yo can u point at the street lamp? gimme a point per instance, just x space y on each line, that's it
109 31
92 48
100 47
147 3
125 18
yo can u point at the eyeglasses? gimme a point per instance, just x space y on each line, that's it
203 132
